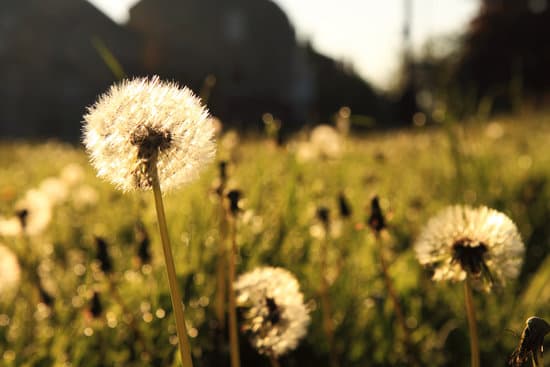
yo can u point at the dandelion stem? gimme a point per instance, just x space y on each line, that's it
177 301
233 335
537 358
221 281
472 325
274 361
328 324
396 306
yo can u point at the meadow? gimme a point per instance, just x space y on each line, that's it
81 303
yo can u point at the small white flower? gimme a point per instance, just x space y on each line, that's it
462 240
143 123
274 311
10 272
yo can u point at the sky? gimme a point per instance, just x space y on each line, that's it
364 33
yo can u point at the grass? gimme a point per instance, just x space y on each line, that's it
503 164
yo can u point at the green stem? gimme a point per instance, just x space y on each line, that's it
274 361
221 282
177 301
233 335
472 324
396 306
328 324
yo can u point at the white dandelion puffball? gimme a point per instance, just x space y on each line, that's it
275 317
10 226
34 211
327 141
142 123
55 188
72 174
10 272
480 242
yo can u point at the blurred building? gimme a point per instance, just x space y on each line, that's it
49 68
52 65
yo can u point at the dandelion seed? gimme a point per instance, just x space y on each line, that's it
479 242
275 317
10 272
145 122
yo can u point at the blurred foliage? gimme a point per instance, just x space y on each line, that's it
497 65
500 163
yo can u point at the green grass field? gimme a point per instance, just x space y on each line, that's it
503 164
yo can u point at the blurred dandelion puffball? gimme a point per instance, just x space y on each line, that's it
275 317
10 272
34 212
142 123
480 241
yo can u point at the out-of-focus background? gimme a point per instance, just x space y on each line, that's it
323 105
392 63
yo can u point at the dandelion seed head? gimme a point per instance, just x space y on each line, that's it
10 227
327 141
84 196
56 189
10 272
144 122
34 211
72 174
275 317
462 240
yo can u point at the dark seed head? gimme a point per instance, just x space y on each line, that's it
102 255
470 258
222 166
274 313
150 141
376 220
234 196
344 206
323 214
144 244
96 309
22 215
